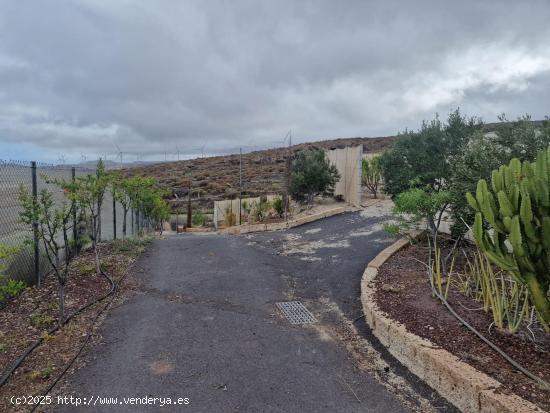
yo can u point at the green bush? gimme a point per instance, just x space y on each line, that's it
312 175
279 206
10 288
423 159
260 209
198 219
417 205
485 152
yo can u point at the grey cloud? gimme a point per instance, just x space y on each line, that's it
76 76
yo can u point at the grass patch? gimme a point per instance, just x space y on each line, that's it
132 247
41 320
41 374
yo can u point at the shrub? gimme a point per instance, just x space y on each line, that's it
312 175
279 206
485 152
230 219
10 288
260 209
417 205
423 156
198 219
425 159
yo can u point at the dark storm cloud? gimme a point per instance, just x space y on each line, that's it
76 76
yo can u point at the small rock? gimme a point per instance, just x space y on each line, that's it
390 288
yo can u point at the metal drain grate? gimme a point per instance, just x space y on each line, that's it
296 313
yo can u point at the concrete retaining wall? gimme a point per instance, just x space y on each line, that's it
245 229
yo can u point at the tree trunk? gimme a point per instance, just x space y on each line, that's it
124 224
96 256
61 293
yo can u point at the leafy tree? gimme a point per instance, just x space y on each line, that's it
417 206
160 211
523 139
124 190
312 175
147 199
372 175
87 194
423 157
52 221
486 151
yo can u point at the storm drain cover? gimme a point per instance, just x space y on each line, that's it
296 313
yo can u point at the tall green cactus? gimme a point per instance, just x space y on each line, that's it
517 211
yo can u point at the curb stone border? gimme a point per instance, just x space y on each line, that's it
245 229
461 384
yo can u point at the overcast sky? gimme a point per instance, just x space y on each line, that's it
78 76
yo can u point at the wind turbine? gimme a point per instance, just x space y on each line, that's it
178 150
61 159
119 154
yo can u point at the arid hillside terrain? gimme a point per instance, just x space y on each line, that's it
217 177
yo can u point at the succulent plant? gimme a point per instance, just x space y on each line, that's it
512 224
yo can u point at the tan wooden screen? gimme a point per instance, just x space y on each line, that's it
348 162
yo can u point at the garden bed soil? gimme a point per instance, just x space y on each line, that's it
403 292
30 316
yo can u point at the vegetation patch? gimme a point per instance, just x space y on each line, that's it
32 314
403 292
487 301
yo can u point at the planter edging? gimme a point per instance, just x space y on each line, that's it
245 229
461 384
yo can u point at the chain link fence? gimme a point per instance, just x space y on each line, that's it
29 263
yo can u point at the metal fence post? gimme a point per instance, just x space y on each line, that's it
75 229
114 215
35 224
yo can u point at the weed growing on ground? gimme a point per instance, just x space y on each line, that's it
41 374
41 320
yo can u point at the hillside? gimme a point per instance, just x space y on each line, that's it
217 177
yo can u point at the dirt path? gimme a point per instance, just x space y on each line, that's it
206 328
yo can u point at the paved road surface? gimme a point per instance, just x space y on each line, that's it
206 327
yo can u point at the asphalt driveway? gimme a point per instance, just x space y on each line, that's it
206 328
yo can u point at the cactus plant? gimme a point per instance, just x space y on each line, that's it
512 224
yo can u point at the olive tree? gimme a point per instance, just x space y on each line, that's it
312 175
